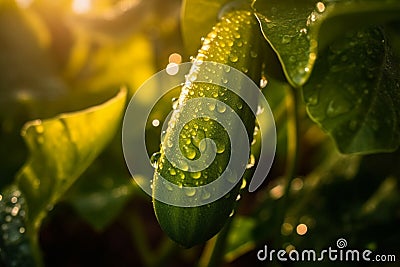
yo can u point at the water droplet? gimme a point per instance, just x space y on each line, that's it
320 7
244 183
168 186
238 197
251 162
239 105
286 39
169 142
184 166
263 82
336 108
205 47
175 102
253 54
231 176
39 128
154 159
303 31
232 213
172 171
186 140
260 110
195 175
190 191
21 230
202 146
224 80
313 17
220 147
206 195
155 123
190 153
253 142
221 108
233 58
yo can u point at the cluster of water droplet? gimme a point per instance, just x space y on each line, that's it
228 41
347 85
14 246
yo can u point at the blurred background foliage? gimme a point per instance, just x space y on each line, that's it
70 55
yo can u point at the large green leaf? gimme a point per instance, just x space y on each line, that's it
61 149
298 29
354 93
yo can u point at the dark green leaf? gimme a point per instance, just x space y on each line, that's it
354 93
60 151
298 29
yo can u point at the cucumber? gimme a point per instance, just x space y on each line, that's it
234 41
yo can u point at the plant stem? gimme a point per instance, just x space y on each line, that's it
292 154
214 251
293 136
139 238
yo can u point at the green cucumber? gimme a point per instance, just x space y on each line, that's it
234 41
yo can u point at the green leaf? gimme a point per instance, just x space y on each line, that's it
61 149
298 29
354 93
198 17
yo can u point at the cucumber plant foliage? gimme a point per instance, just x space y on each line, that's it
193 225
349 78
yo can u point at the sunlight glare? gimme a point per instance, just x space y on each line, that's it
81 6
24 3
